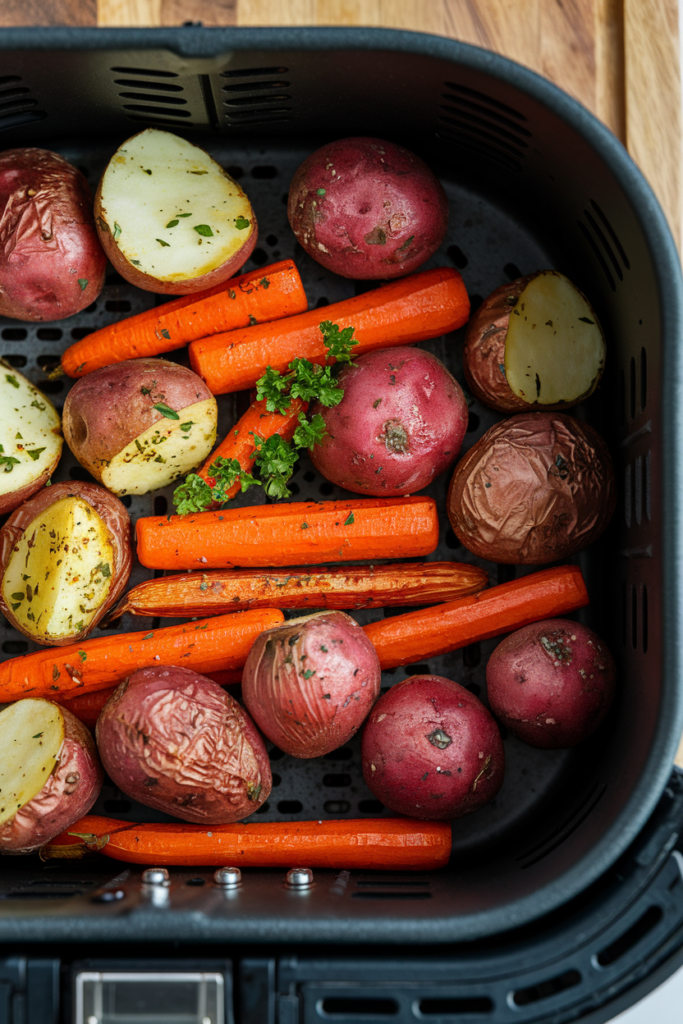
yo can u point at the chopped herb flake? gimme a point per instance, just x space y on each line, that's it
241 223
165 411
166 245
83 282
172 223
35 453
264 282
349 520
117 230
204 230
165 334
12 380
321 191
82 655
186 426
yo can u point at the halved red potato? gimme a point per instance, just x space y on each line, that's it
30 438
65 558
170 219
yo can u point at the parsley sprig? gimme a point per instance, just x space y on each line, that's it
196 494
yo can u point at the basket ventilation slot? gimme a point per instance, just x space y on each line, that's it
257 96
562 832
149 95
17 106
603 240
545 989
482 124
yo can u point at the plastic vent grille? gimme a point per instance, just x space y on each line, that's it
605 244
257 96
17 106
154 97
483 125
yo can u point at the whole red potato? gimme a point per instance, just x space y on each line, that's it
366 208
310 683
551 683
175 740
400 423
431 750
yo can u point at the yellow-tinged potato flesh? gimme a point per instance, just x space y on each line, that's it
31 737
30 436
60 571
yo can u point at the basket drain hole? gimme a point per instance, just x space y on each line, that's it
453 1007
630 938
358 1006
545 989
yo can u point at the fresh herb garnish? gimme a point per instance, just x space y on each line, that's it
35 453
241 223
8 461
321 192
172 223
264 282
186 426
196 494
165 334
204 230
349 519
183 214
104 568
167 245
82 655
136 262
12 380
170 414
117 230
83 282
339 343
35 404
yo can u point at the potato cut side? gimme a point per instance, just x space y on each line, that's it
30 432
60 572
31 737
172 211
165 451
554 347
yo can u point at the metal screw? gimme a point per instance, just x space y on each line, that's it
229 878
300 878
155 876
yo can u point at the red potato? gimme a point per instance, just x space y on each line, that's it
431 750
50 774
65 559
365 208
51 262
400 423
30 438
551 683
310 683
175 740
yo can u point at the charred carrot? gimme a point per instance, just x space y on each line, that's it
367 586
411 309
301 531
64 672
390 844
415 636
267 294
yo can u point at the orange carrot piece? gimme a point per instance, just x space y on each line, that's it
239 442
415 636
267 294
207 646
389 844
414 308
301 531
348 587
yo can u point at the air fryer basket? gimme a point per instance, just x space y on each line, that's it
533 181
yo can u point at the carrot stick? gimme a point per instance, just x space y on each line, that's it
266 294
418 635
304 531
394 844
411 309
64 672
367 586
239 441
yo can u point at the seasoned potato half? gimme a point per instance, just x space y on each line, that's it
30 438
31 737
170 219
65 557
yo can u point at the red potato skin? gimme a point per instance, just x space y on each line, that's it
8 502
48 240
400 423
308 717
106 410
484 352
67 795
409 772
175 740
551 683
382 214
116 518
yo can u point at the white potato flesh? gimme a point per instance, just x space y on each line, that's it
30 432
554 347
31 737
60 572
165 451
173 212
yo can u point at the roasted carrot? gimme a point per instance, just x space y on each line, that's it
304 531
390 844
239 441
266 294
415 636
64 672
411 309
367 586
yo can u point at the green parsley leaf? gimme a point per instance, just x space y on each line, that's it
167 245
186 426
311 381
321 192
183 215
339 343
9 462
35 453
136 262
104 568
264 282
172 223
305 526
165 411
82 655
309 432
308 673
275 459
18 596
204 230
37 736
273 386
35 404
194 495
117 230
12 380
349 521
241 223
83 282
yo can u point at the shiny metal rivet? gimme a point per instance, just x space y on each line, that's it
229 878
299 878
155 876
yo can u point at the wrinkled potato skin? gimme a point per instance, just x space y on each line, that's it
117 521
67 795
106 409
308 717
48 239
175 740
414 775
383 214
534 489
551 683
484 351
